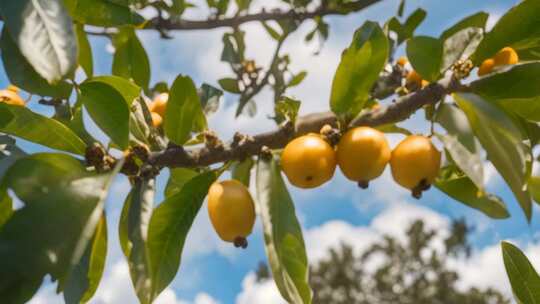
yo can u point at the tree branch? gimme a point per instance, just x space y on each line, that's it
177 156
274 15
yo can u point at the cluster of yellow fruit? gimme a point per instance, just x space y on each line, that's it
310 161
10 96
362 154
157 109
505 56
413 78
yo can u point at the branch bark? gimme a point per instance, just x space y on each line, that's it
274 15
177 156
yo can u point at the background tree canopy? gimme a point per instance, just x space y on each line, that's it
475 86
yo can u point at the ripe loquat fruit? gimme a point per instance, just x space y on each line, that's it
506 56
232 211
362 154
308 161
10 97
159 104
486 67
157 120
415 163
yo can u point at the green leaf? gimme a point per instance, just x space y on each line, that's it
104 13
297 79
515 88
534 187
107 100
184 113
44 26
426 56
85 51
141 201
502 141
461 143
210 97
287 109
169 227
358 70
463 190
86 275
130 59
241 170
6 208
406 30
21 122
179 177
271 31
519 28
283 238
523 277
230 85
23 75
460 46
66 212
477 20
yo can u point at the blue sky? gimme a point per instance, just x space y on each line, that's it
215 272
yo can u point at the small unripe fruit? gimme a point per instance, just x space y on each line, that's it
506 56
308 161
415 163
159 104
486 67
232 211
362 154
10 97
402 61
157 120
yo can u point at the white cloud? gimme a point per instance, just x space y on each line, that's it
258 292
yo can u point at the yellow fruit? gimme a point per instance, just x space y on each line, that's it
424 83
308 161
13 88
159 105
10 97
231 211
157 120
486 67
402 61
362 154
506 56
414 78
415 163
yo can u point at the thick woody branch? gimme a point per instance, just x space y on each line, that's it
177 156
274 15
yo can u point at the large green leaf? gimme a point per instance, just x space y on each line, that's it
477 20
523 277
43 31
463 190
169 227
67 213
130 59
241 170
283 238
178 178
426 56
460 46
85 51
184 112
6 207
106 13
503 143
358 70
21 122
86 275
518 28
136 229
534 187
107 100
23 75
406 30
461 143
515 88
